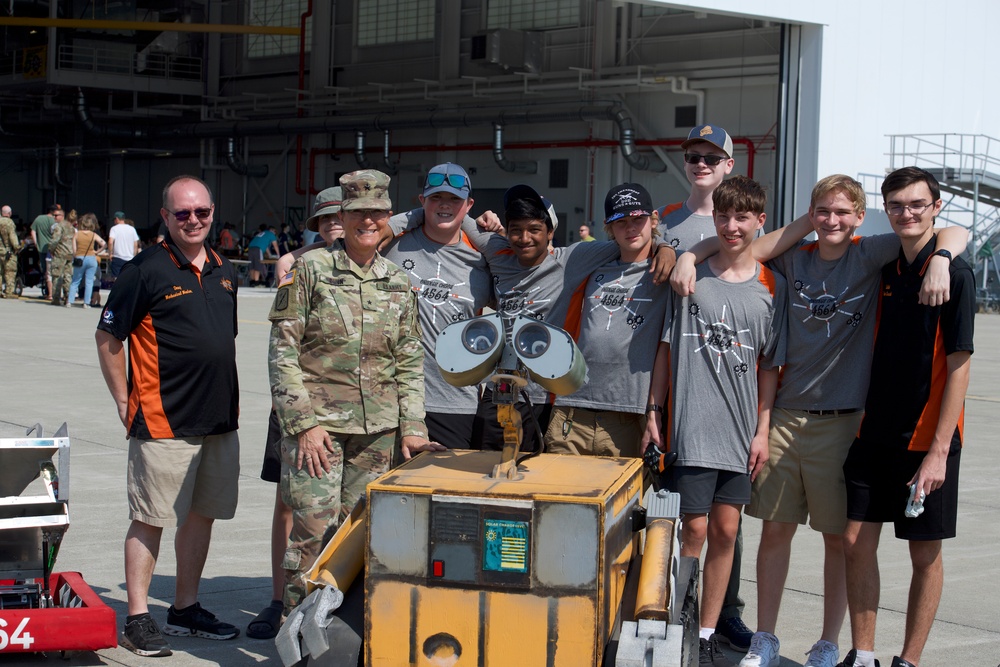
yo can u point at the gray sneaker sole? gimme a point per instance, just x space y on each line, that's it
181 631
125 643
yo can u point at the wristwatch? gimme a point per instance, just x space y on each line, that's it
943 253
653 407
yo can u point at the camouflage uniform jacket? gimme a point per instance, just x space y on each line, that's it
345 350
8 236
61 244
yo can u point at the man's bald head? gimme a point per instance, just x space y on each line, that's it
5 211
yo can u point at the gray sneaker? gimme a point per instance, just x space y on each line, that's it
822 654
764 651
142 637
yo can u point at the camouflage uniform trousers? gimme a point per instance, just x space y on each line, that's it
320 504
62 278
9 268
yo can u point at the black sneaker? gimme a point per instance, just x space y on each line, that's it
734 632
899 662
142 637
709 653
850 658
197 622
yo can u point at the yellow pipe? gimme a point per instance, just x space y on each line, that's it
343 557
652 598
154 26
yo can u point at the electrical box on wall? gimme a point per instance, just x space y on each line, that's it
513 50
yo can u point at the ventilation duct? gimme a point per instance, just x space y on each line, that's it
503 162
236 163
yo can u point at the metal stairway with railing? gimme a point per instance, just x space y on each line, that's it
967 167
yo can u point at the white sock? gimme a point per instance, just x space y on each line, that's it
864 659
706 633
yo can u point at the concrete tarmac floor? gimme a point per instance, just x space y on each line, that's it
49 374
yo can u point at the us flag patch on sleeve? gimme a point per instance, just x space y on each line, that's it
287 279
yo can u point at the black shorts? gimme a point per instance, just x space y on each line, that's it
271 470
877 491
452 431
488 434
701 487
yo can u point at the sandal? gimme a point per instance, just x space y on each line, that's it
267 623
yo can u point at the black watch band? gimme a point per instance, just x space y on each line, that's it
943 253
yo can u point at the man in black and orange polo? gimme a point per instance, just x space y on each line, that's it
175 303
911 436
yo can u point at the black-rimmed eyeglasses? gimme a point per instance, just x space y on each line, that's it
914 209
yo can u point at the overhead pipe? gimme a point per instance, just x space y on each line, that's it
390 166
436 120
359 151
626 137
103 131
55 169
528 145
503 162
236 163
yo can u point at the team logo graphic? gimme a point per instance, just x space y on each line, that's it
516 302
107 316
825 306
616 297
722 341
437 292
227 284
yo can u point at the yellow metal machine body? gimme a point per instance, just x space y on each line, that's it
463 568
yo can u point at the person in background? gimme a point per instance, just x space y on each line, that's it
88 244
123 243
8 253
585 234
62 248
264 241
41 232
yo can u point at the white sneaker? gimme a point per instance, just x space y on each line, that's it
822 654
763 651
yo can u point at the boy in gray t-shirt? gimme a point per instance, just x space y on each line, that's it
452 283
723 346
618 317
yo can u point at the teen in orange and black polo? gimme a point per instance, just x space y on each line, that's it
180 324
909 369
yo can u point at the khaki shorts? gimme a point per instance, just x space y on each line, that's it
804 475
168 478
594 432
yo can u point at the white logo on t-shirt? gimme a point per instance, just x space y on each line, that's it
721 340
437 292
615 296
825 305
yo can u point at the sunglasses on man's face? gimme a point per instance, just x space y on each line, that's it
200 213
710 160
454 180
